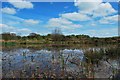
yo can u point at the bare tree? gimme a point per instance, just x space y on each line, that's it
57 35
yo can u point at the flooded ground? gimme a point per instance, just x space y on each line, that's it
56 63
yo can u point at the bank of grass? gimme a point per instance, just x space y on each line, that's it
18 42
38 42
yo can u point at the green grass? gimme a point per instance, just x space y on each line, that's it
8 43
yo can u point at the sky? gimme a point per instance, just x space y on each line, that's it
96 19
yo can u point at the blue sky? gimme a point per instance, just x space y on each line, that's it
91 18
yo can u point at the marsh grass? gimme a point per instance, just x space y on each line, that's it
112 52
93 56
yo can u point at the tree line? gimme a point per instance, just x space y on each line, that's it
57 37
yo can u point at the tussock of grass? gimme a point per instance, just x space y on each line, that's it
112 52
93 56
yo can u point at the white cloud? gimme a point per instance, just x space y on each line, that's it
62 23
95 8
109 20
66 7
7 28
104 9
89 10
93 24
8 10
101 13
24 30
101 32
87 5
75 16
21 4
31 22
20 22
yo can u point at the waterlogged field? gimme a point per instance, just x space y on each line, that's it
54 62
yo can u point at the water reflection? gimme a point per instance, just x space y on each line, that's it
54 63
